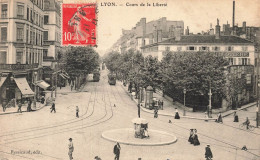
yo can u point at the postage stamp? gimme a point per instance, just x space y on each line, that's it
79 24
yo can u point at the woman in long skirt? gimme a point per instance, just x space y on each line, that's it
196 141
190 138
235 117
176 114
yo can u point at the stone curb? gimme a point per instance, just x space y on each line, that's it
189 117
141 144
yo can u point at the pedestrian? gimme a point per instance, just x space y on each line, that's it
117 149
155 113
29 108
71 149
77 111
196 141
71 87
177 116
206 117
53 107
219 119
159 104
235 117
208 153
162 104
191 136
42 100
4 105
247 123
19 107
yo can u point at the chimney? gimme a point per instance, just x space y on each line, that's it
244 27
187 31
233 19
217 34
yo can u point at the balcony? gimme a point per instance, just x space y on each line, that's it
18 66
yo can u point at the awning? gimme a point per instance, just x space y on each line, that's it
2 80
24 87
44 85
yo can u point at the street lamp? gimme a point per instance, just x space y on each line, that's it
209 108
184 110
35 88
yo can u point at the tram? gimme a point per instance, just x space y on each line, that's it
96 76
112 79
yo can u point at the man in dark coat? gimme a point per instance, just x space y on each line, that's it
19 107
53 107
208 153
117 151
29 108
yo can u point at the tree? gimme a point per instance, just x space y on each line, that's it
81 60
196 72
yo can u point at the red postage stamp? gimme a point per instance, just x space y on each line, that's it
79 24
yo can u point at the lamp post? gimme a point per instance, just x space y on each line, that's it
35 88
209 111
184 110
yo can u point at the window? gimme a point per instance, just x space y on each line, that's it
31 16
204 48
179 48
27 35
191 48
245 61
36 41
36 19
2 57
215 48
3 34
248 78
45 52
229 48
19 57
45 35
4 11
46 19
20 33
20 12
28 13
167 48
244 48
33 38
232 61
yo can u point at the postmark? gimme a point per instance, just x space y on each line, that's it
79 24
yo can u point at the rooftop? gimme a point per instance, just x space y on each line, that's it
204 39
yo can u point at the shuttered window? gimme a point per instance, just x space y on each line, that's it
3 34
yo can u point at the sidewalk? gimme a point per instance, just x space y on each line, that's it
169 108
39 106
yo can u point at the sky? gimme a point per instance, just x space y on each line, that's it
197 14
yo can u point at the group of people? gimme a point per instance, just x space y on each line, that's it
193 139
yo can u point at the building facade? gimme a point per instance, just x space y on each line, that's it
239 52
145 33
21 48
51 41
